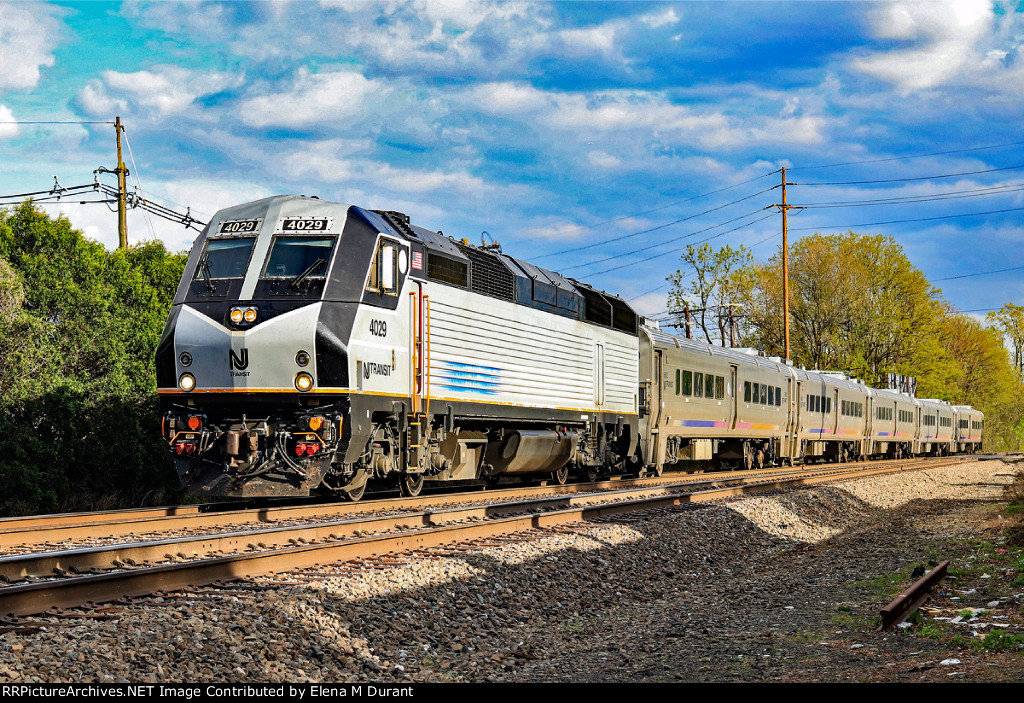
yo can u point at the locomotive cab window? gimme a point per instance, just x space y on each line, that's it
225 258
383 277
298 257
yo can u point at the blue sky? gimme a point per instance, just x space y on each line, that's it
554 127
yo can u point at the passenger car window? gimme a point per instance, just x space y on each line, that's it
687 382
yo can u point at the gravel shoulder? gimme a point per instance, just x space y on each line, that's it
782 587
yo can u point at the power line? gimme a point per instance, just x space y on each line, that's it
905 199
661 244
138 183
60 122
669 224
916 219
54 197
708 239
914 178
979 273
909 156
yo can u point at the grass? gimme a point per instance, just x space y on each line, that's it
1001 641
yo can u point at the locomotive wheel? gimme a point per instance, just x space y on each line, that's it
358 487
590 474
410 485
561 476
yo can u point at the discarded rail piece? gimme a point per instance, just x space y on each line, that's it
907 602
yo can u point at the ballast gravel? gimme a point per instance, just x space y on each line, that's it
740 590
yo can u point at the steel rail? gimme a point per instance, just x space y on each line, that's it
32 598
46 565
35 530
907 602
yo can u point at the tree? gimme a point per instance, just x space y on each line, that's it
719 279
856 305
1010 320
984 378
78 331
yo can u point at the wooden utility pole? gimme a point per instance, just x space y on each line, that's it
785 208
122 192
785 261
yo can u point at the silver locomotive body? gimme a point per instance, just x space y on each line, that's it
313 346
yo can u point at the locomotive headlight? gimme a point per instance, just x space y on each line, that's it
302 358
236 315
303 381
187 382
249 315
185 359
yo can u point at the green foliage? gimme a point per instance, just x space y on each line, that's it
714 280
1000 640
1010 321
78 330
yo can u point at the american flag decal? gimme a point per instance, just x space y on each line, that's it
417 260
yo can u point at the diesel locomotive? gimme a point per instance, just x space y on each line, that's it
313 346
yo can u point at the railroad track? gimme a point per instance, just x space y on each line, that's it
81 529
41 581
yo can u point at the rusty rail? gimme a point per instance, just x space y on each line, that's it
435 530
907 602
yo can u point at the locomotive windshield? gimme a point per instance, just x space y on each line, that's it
292 257
225 258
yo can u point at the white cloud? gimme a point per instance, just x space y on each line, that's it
946 44
336 161
660 19
599 39
7 130
162 91
602 159
314 98
623 112
28 35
